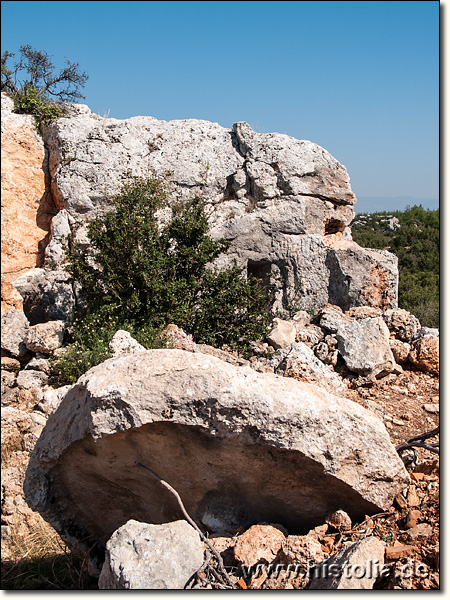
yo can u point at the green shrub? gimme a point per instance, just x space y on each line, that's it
31 103
140 275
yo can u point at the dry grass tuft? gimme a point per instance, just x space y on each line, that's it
41 561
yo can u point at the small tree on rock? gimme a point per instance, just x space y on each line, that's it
35 85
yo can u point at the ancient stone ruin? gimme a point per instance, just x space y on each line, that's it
270 440
240 447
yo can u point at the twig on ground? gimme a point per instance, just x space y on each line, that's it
418 442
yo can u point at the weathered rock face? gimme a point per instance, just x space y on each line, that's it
26 202
240 447
284 203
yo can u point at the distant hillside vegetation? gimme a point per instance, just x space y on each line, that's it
413 235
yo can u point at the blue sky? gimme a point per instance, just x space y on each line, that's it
359 78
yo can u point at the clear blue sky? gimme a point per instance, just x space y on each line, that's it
359 78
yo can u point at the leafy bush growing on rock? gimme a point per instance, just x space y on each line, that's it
142 272
32 94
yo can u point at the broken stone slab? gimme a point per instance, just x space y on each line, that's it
140 556
356 567
299 361
240 447
363 344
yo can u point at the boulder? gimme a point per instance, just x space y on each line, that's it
339 520
45 337
122 343
140 556
259 544
424 354
30 379
301 318
52 398
402 324
362 277
311 335
282 335
299 361
176 338
39 363
363 344
427 331
14 329
355 567
240 447
10 364
400 350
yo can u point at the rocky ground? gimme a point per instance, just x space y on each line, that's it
409 405
34 557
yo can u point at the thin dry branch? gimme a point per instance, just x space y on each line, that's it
223 573
418 442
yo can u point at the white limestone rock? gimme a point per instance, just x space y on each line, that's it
140 556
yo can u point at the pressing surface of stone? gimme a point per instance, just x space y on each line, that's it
240 447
